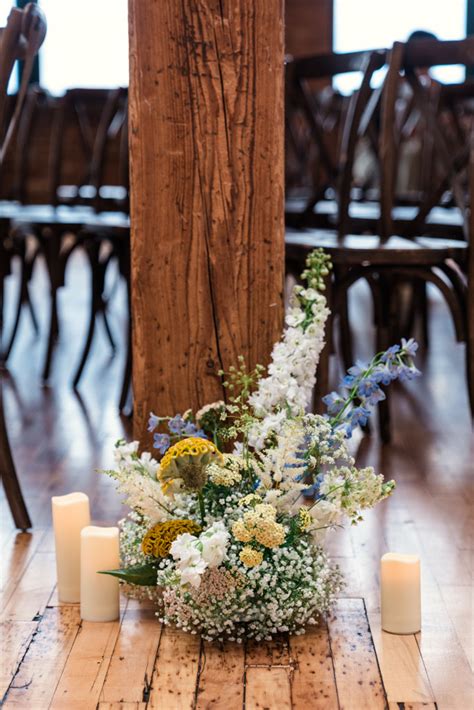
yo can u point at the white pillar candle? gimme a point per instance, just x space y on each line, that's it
400 592
70 515
99 592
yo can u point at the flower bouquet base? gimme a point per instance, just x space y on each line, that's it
227 529
234 602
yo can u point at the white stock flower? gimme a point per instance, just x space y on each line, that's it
123 453
193 555
214 544
191 574
184 549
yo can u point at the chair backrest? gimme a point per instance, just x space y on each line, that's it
408 66
20 39
300 74
94 122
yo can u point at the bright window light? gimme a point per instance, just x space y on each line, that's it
5 7
86 44
372 24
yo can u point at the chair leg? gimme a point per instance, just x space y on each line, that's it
470 351
346 336
31 308
127 374
9 476
95 307
381 293
22 298
53 332
107 326
322 382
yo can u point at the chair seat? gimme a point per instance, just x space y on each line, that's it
73 218
445 221
357 249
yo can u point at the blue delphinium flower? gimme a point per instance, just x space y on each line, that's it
190 429
153 422
390 354
176 424
384 373
334 402
359 415
410 347
178 428
348 410
161 442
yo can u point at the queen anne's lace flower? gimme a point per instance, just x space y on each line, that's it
226 473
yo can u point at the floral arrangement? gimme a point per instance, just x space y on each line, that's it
227 529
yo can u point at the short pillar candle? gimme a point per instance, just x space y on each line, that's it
70 515
99 592
400 593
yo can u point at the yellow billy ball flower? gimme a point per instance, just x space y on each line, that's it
251 519
187 460
250 557
304 519
249 499
266 511
270 534
240 532
159 538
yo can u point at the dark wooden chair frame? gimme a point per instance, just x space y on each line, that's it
20 39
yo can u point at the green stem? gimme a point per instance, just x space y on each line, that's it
202 509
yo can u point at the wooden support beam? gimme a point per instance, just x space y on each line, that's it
206 125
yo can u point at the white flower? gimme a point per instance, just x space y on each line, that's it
286 391
192 573
325 515
123 453
214 544
143 493
220 404
184 549
149 464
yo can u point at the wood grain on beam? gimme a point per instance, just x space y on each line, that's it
206 120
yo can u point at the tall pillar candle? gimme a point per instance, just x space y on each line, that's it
70 515
400 593
99 592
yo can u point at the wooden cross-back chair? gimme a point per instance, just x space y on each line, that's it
77 214
448 161
337 165
386 259
94 119
19 40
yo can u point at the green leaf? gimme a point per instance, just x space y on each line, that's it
143 575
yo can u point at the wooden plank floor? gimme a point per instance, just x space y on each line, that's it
50 660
